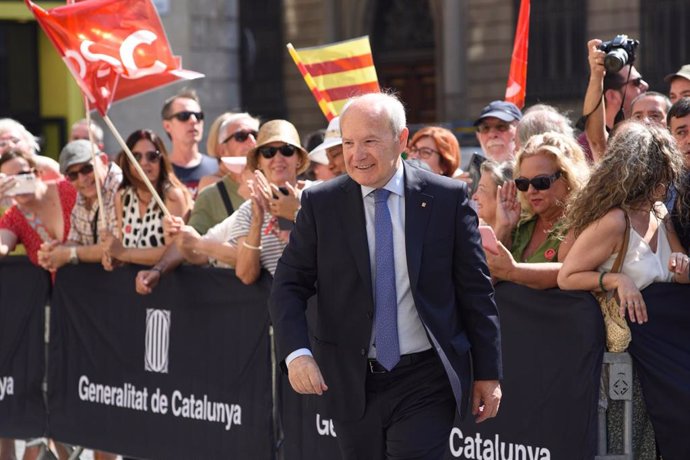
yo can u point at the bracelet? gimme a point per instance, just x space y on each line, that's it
249 246
601 282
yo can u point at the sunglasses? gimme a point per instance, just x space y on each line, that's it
286 150
152 157
240 136
636 81
185 115
424 152
84 170
542 182
484 128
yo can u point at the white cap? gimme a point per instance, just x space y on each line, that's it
331 139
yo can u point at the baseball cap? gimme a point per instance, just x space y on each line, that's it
683 72
332 139
74 153
506 111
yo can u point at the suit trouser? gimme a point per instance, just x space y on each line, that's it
409 414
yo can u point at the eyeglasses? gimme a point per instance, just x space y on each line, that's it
542 182
84 170
485 128
424 152
240 136
185 115
286 150
153 156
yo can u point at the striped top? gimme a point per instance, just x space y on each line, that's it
272 246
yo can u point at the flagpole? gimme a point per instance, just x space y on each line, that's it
96 173
136 165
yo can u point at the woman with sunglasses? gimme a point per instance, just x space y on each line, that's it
231 135
261 225
41 210
438 148
548 169
138 234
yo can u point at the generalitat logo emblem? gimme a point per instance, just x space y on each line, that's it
157 340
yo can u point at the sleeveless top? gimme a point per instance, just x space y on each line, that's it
641 264
138 231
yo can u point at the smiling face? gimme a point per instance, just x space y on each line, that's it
280 169
680 87
370 148
85 182
152 169
547 203
485 196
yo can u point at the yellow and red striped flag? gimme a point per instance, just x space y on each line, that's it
336 72
516 88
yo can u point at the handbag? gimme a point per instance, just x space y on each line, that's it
618 333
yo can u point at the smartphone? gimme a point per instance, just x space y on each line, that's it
489 241
475 172
283 223
24 184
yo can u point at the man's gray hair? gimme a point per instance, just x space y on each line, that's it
540 119
388 103
664 98
96 130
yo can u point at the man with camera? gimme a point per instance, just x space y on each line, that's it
614 83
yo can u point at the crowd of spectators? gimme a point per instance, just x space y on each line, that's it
559 204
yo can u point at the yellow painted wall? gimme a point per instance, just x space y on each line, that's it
59 95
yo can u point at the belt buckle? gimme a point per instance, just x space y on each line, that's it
372 369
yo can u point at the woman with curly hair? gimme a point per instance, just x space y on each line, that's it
548 169
640 164
625 189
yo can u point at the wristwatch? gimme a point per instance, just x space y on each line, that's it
73 258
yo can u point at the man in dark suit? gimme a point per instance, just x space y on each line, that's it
404 297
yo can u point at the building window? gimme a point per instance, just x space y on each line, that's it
557 62
664 39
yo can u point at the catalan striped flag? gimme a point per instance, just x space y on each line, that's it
336 72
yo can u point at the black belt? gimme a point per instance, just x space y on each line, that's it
374 367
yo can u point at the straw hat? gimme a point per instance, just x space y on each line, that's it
277 131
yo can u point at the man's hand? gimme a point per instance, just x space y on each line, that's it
146 281
486 397
52 256
305 376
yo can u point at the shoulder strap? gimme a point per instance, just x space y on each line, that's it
226 198
624 248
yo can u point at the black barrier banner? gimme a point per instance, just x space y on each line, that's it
553 344
182 373
661 355
24 294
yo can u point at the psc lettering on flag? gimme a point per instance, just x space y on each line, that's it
339 71
113 49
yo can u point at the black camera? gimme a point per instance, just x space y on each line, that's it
619 52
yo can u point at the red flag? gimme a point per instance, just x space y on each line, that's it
517 80
114 49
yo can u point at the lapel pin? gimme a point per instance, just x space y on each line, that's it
424 204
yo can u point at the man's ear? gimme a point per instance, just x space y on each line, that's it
104 158
166 127
402 140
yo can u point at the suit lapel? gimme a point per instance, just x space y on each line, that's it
355 229
417 213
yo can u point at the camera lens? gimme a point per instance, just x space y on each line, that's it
615 60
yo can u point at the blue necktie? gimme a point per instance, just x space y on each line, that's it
387 347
